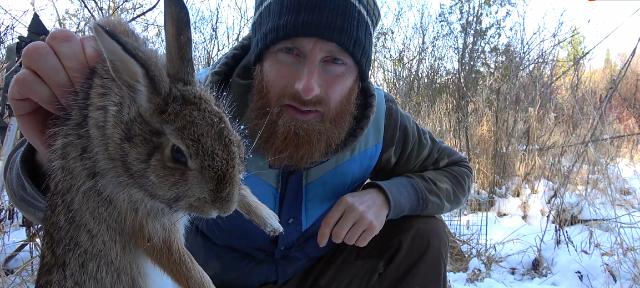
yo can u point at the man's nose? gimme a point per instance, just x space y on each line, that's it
307 83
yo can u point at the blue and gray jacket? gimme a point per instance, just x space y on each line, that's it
386 148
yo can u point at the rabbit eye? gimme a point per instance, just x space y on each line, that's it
178 156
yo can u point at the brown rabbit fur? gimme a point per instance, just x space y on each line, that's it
139 148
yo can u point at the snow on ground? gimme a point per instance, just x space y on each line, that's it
604 252
10 241
591 254
516 242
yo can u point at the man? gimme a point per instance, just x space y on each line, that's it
355 181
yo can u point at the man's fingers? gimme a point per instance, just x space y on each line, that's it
28 91
34 127
366 236
345 224
356 218
92 53
354 233
69 51
329 222
40 58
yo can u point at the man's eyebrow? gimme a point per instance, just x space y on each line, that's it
335 51
285 43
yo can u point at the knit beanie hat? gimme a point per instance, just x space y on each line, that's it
348 23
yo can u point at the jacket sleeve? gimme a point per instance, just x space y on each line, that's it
419 174
24 181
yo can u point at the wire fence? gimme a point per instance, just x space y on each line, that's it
469 223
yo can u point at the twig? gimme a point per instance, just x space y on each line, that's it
621 74
579 60
89 10
145 12
55 8
98 7
589 142
13 17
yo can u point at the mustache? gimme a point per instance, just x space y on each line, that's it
294 98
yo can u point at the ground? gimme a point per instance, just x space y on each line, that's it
596 248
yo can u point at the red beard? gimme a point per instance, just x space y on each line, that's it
294 143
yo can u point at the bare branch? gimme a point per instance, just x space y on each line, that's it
98 6
145 12
12 17
89 10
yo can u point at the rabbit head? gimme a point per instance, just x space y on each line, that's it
160 132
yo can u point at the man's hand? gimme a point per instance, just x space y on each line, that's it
50 72
355 218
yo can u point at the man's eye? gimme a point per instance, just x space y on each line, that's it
288 50
338 61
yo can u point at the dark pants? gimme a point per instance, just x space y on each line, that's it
408 252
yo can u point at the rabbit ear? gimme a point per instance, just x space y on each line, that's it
123 67
177 29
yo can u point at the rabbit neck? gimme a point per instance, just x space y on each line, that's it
110 225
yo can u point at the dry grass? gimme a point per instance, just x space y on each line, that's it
525 110
19 255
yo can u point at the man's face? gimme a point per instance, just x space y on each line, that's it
305 92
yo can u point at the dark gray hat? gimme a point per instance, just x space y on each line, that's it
348 23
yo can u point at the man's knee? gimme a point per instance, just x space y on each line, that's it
419 231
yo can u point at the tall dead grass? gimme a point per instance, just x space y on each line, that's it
530 108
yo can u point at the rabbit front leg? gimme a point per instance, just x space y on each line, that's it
257 212
170 254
